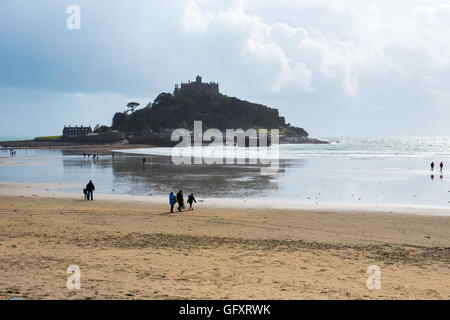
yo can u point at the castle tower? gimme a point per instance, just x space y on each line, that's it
197 87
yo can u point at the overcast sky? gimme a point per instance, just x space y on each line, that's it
332 67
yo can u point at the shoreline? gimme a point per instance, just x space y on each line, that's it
101 149
108 147
55 190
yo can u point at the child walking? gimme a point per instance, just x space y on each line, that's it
191 199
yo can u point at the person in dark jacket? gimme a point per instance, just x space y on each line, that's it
190 200
90 188
180 200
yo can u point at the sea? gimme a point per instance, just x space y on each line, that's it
15 138
349 170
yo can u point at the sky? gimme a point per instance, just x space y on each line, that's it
335 68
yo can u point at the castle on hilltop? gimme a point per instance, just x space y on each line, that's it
197 87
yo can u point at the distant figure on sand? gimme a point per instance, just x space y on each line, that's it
432 166
190 200
441 165
90 188
171 201
180 200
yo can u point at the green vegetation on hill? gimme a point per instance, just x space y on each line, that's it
48 138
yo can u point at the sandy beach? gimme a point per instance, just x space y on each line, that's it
134 249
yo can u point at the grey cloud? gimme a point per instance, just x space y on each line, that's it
333 68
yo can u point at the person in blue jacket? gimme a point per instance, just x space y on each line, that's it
171 201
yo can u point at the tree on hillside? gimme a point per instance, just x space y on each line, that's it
131 107
163 98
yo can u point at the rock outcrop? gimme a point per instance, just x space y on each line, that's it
169 111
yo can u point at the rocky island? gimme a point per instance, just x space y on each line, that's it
199 101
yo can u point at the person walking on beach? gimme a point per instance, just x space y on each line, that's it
441 165
190 200
90 188
432 166
171 201
180 200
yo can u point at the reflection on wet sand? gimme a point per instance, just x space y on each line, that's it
310 180
157 175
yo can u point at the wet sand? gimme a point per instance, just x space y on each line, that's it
133 249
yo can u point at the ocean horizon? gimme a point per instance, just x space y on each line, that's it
15 138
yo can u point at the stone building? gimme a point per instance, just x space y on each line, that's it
197 87
76 132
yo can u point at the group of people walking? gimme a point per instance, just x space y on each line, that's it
94 156
441 165
179 198
173 199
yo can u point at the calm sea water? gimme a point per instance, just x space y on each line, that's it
393 170
15 138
